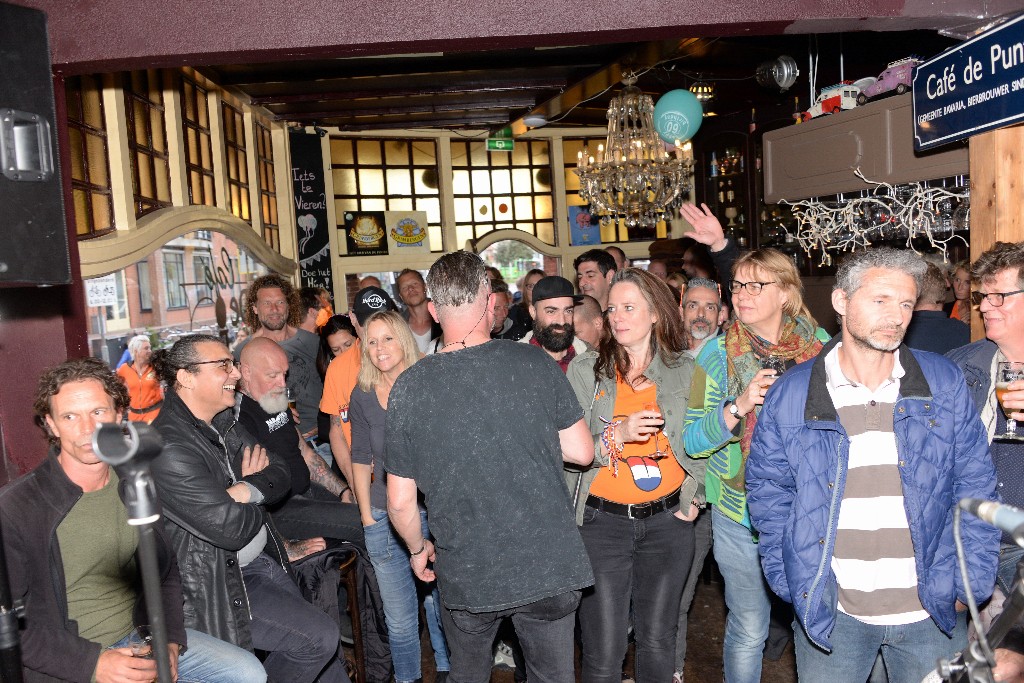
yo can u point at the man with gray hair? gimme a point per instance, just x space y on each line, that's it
859 458
700 307
494 488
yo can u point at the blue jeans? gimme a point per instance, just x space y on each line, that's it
641 563
747 597
1009 555
211 660
909 651
400 595
300 638
545 630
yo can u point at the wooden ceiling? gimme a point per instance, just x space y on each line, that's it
571 85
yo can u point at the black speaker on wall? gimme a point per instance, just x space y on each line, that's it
33 233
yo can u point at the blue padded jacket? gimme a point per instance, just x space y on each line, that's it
796 474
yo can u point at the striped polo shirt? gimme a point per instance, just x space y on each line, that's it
873 559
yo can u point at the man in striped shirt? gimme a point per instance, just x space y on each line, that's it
857 462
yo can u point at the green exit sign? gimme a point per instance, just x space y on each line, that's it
500 144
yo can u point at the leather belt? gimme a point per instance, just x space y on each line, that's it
634 510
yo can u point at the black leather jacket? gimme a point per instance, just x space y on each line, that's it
206 526
31 508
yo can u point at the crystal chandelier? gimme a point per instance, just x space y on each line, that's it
633 177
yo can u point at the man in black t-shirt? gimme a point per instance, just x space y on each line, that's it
314 509
507 542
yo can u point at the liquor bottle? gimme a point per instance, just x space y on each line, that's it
714 166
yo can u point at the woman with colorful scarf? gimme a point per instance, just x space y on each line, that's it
773 331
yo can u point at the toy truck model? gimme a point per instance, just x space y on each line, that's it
895 77
833 99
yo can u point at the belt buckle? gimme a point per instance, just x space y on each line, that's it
638 510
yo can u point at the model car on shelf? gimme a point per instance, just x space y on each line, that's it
895 77
832 99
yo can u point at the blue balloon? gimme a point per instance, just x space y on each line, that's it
677 116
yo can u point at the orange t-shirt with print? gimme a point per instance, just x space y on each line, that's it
642 476
339 382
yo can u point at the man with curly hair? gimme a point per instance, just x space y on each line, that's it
274 309
71 555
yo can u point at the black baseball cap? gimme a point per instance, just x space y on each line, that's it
554 287
369 300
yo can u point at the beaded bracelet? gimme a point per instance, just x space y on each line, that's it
611 446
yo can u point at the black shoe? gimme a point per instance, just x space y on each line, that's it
441 677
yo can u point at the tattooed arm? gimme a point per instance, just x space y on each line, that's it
340 449
319 471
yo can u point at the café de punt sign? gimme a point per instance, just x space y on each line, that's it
973 87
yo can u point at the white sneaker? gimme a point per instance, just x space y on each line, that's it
677 677
503 658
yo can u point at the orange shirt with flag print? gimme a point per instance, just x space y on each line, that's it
642 475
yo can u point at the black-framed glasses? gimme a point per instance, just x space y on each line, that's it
753 288
994 298
225 363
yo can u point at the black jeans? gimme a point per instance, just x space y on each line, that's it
544 628
302 640
640 561
318 512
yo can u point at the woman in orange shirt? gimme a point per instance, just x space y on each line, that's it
637 502
143 386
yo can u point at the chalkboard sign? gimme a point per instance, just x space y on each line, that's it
310 197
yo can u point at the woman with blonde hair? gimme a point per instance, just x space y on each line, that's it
388 349
772 331
636 503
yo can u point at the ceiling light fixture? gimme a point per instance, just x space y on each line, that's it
537 120
704 92
779 73
633 178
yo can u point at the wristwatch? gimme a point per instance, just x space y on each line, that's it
734 411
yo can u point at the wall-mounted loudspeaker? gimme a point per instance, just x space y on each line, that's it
33 233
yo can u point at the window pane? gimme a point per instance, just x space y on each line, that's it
399 183
97 157
501 181
397 153
368 152
344 181
77 154
371 181
341 151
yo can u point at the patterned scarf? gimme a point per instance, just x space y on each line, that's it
744 351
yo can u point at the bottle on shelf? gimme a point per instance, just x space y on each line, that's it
714 166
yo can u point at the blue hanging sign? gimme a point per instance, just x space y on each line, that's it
973 87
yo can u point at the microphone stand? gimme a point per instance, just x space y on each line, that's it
971 666
118 448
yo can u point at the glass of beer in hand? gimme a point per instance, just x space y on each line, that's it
1008 372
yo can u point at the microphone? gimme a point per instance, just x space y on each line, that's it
1004 517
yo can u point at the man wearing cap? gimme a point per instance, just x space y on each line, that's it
341 377
552 310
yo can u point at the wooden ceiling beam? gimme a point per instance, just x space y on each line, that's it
605 79
426 108
467 87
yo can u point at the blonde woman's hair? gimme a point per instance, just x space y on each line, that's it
369 375
781 267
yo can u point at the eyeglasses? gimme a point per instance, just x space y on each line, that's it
994 298
753 288
225 363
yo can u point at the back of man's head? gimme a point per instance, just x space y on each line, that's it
932 294
457 279
605 262
309 297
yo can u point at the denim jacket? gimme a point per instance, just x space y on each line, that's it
598 400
